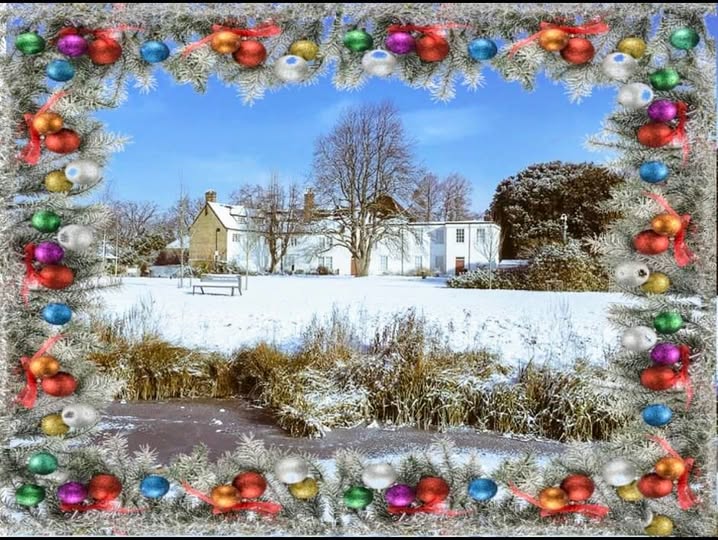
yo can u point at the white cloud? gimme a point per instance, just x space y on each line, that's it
439 125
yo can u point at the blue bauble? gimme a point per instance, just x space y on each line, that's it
60 70
482 489
482 49
57 313
657 415
653 171
154 486
154 51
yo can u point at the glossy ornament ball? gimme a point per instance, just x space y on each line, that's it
400 43
657 415
75 237
578 487
45 221
666 354
653 486
619 472
635 95
250 53
660 525
56 313
666 224
631 274
379 475
47 122
668 322
482 49
64 141
42 463
154 486
57 182
638 339
61 384
53 426
358 497
72 493
80 416
657 283
29 495
650 243
665 79
154 51
432 48
104 51
358 40
225 496
662 110
82 172
72 45
304 48
552 498
684 38
653 172
44 366
30 43
55 276
378 63
658 378
578 51
304 490
629 492
432 489
655 134
553 39
482 489
49 253
291 470
225 42
619 66
249 485
634 46
291 68
104 487
60 476
400 495
670 467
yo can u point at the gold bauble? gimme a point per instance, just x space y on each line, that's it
632 46
224 496
630 492
305 49
553 39
47 122
44 366
57 182
670 467
657 283
553 498
666 224
53 426
225 42
306 489
660 526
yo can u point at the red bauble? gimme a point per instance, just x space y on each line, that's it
432 489
55 276
578 487
655 134
104 51
658 377
578 51
251 53
104 487
64 141
61 384
432 48
653 486
651 243
249 485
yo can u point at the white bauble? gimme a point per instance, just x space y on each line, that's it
80 416
635 95
83 172
60 476
291 68
379 476
639 339
631 274
291 470
619 472
619 66
75 237
379 63
647 517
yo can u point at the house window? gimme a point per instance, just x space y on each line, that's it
459 236
235 237
438 236
325 242
384 263
439 263
293 241
481 236
418 262
326 262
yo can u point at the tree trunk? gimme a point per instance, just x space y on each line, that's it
272 262
362 266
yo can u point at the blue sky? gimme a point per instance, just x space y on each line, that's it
214 141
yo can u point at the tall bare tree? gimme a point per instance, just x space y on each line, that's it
488 245
426 199
363 169
455 198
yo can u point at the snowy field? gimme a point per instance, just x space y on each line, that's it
546 326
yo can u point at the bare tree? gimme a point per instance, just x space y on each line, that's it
362 170
488 245
427 197
455 198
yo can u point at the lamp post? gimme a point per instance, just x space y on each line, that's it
216 248
564 227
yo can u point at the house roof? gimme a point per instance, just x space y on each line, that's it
226 214
176 244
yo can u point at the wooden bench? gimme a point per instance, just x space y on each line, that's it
219 281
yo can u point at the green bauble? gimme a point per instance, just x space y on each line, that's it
358 497
685 38
665 79
29 495
46 221
358 40
29 43
668 322
42 463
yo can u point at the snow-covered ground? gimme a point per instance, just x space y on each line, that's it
552 326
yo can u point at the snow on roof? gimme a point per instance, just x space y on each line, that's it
177 244
226 214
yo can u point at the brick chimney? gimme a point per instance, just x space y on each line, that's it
308 204
210 196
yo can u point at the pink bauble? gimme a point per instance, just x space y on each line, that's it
400 42
400 495
72 45
666 354
49 253
662 110
72 493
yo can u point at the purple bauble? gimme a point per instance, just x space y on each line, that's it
666 353
49 253
400 495
400 42
72 45
662 110
72 493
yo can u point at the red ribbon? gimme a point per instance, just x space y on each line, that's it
686 497
30 273
437 507
683 377
591 28
681 253
263 30
28 395
679 133
31 153
431 29
592 510
102 506
261 507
